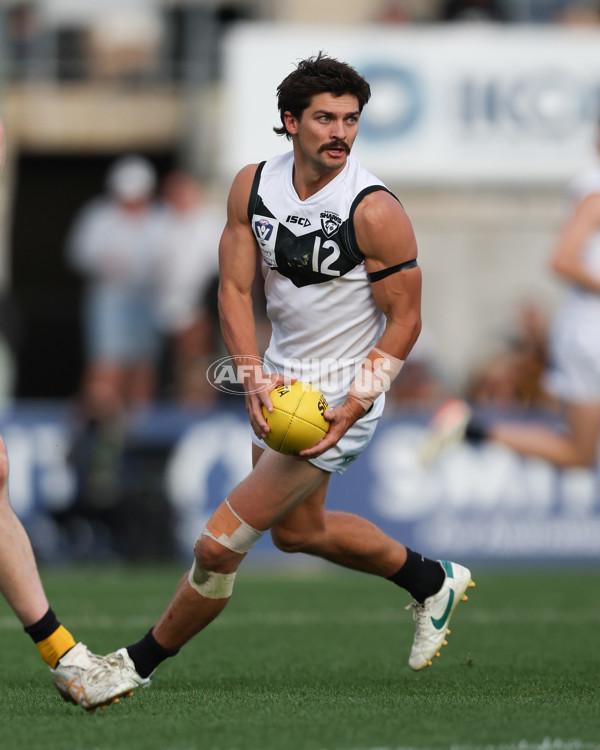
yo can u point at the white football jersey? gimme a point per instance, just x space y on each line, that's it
319 301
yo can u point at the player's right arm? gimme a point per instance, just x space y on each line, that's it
237 268
568 257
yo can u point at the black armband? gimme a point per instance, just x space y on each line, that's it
378 275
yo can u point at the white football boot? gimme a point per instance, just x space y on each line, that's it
123 664
447 428
432 617
92 681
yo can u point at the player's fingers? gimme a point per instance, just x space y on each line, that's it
257 418
265 393
327 442
282 380
275 380
323 445
335 415
255 414
264 398
260 427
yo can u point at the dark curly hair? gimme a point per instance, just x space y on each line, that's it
318 75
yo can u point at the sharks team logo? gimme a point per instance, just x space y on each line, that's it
330 223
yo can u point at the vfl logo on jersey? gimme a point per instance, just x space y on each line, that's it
265 231
330 223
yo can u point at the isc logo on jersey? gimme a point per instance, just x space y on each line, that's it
300 220
265 231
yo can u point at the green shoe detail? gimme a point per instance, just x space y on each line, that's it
439 623
447 566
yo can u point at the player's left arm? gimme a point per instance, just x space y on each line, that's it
386 238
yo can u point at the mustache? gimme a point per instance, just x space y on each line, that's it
335 144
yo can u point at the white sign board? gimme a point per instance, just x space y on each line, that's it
463 105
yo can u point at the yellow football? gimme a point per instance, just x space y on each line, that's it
296 421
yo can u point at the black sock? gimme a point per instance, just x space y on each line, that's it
44 627
147 654
476 432
420 576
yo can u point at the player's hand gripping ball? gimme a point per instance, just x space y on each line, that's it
297 420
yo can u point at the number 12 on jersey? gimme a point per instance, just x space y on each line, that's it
328 260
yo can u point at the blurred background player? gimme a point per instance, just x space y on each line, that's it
573 375
80 676
113 243
186 271
326 306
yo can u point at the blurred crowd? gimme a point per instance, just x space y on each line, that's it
508 376
147 254
148 257
137 41
494 11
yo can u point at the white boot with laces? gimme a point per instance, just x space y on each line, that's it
92 681
433 615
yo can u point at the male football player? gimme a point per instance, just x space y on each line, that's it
342 284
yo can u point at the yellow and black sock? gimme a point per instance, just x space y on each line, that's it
52 639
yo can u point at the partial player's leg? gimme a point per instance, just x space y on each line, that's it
353 542
80 676
577 447
342 538
20 582
275 486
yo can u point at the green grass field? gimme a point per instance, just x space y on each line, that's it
316 660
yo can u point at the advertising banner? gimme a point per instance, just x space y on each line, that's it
450 105
475 503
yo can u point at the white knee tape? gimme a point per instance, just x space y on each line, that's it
209 584
228 529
